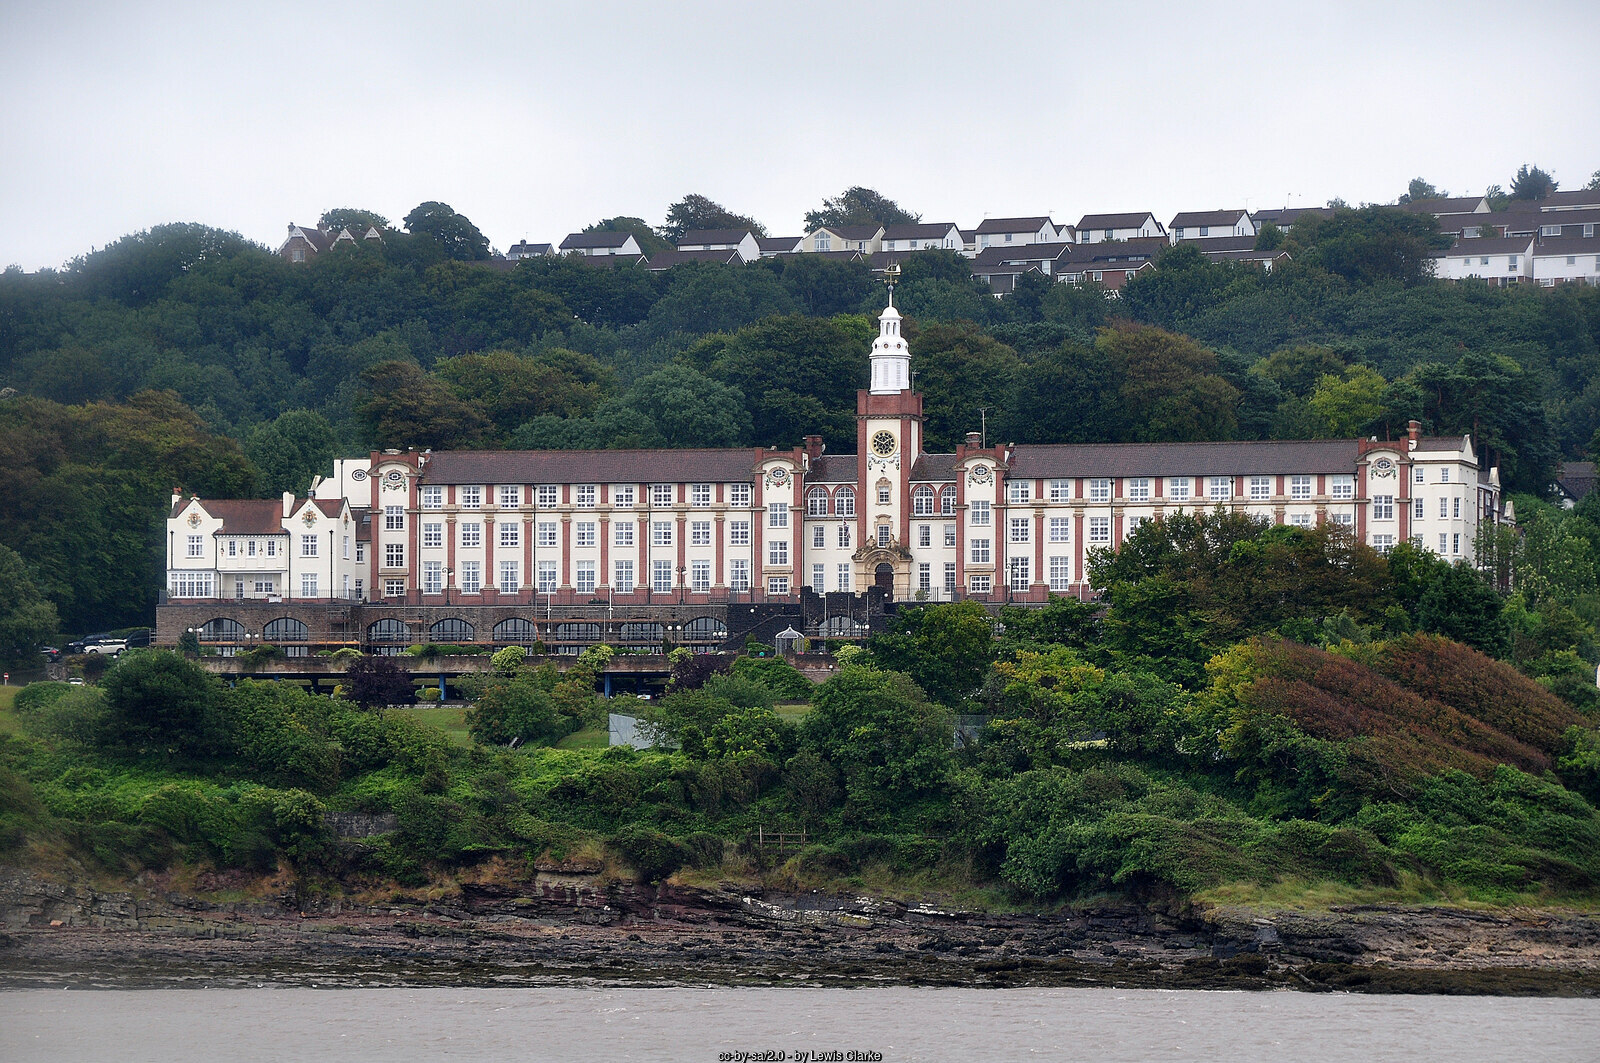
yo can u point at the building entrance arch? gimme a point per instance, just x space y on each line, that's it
883 578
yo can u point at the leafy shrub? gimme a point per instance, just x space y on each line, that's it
652 855
777 675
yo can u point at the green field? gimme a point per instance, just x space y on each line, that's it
451 719
8 719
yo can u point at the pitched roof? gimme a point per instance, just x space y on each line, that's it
714 236
780 244
725 465
1574 198
312 235
854 232
1184 459
1565 245
1210 245
1011 254
1444 205
934 467
1137 249
918 230
1115 221
1249 255
525 248
1012 225
604 239
1286 216
1440 444
1207 217
667 259
248 516
1576 479
1487 245
833 468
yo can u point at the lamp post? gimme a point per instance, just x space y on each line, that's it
448 572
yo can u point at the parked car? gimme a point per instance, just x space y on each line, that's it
51 653
76 681
106 647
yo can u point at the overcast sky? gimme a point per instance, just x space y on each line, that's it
534 119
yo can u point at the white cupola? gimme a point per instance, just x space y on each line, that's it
891 359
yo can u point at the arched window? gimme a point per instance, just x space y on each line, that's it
817 502
388 630
222 629
844 627
947 501
922 500
516 630
844 502
453 629
636 631
285 629
705 629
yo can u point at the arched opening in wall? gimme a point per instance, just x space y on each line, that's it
844 627
883 578
641 633
389 635
289 635
453 629
516 630
705 629
573 639
221 635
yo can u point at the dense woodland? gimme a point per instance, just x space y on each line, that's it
185 356
1245 708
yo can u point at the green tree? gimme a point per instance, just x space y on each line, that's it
403 406
959 369
138 268
1459 605
892 745
1419 190
944 648
518 709
1071 394
1349 404
649 242
1173 382
27 618
453 234
697 212
1370 245
690 409
1532 183
859 206
160 704
289 450
1499 403
353 218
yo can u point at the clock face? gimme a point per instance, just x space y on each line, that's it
883 443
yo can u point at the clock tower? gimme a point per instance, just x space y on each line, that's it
888 443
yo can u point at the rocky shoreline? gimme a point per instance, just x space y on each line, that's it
574 927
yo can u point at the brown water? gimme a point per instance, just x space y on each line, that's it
713 1025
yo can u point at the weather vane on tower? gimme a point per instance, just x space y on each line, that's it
891 277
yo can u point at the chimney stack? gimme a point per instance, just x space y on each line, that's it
974 440
814 447
1414 432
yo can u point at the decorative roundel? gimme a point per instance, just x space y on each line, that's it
310 518
194 520
394 476
358 475
780 475
883 443
1383 465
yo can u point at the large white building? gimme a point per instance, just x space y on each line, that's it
510 546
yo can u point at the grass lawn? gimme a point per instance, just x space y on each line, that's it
8 719
451 719
593 739
792 711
